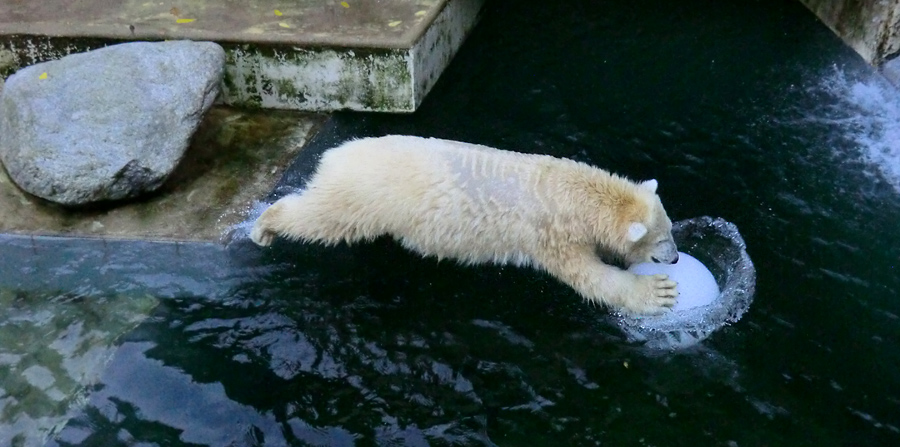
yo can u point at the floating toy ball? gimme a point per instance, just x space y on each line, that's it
708 299
696 285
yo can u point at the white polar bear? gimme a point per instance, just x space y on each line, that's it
476 204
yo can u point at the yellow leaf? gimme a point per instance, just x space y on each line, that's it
421 13
184 20
43 75
278 13
395 23
345 4
283 25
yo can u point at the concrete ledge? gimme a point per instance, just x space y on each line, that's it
235 158
315 56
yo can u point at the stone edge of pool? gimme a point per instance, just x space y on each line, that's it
234 161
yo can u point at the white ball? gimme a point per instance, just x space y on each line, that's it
696 285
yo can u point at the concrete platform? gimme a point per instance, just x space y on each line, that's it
235 158
312 55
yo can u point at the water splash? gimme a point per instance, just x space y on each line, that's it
718 244
865 109
241 230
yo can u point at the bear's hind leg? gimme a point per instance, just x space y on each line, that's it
312 217
295 217
269 224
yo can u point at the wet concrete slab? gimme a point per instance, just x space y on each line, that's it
314 55
371 23
235 159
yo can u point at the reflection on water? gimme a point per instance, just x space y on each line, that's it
53 346
311 361
66 303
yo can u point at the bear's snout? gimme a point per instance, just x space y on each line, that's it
673 261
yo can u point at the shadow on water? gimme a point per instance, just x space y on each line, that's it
750 111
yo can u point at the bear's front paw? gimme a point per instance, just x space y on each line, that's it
654 295
261 236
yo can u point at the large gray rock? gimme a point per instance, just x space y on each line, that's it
109 124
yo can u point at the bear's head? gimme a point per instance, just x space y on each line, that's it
646 229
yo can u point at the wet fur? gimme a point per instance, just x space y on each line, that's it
477 204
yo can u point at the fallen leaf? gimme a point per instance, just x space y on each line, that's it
283 25
278 13
421 13
184 20
395 23
345 4
43 75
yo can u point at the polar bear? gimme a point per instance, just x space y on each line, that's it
477 204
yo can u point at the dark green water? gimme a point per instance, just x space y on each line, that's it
751 111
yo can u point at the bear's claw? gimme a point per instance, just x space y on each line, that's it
656 295
665 287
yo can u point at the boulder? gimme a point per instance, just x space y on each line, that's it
109 124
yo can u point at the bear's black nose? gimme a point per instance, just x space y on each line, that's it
654 259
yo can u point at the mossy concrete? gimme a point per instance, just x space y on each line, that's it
7 63
235 158
319 79
311 55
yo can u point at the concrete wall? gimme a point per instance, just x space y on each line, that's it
871 27
318 72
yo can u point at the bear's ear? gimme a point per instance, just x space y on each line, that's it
649 185
636 231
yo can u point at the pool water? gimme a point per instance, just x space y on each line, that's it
751 111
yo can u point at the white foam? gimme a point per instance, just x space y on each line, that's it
696 285
868 114
241 230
